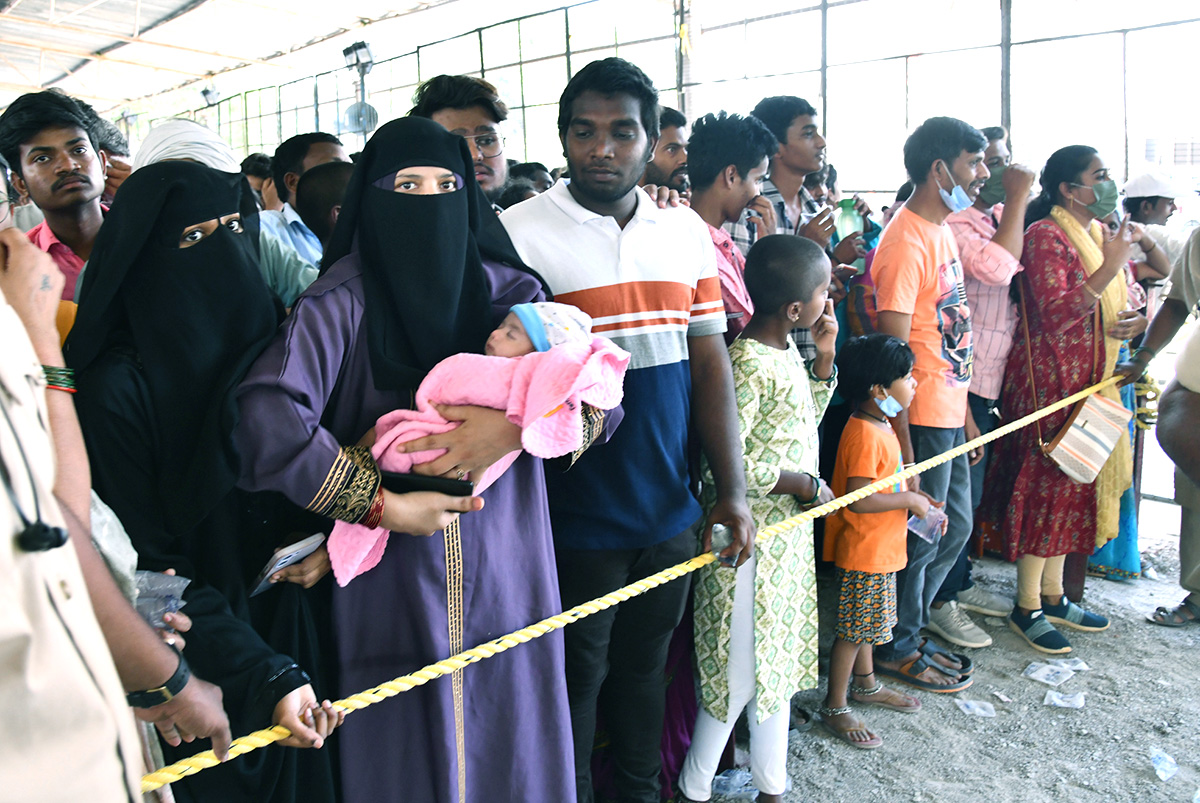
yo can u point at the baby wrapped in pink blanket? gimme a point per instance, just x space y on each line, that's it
540 364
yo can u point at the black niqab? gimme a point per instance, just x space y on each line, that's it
421 256
196 317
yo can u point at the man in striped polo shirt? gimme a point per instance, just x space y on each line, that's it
648 278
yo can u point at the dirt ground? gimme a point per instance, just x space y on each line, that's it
1142 692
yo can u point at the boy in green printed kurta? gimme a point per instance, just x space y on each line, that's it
756 626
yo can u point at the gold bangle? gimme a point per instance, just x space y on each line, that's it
1094 294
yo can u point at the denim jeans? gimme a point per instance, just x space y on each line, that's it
959 578
928 564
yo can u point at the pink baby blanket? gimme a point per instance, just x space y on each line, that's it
541 392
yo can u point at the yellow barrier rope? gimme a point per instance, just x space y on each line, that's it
262 738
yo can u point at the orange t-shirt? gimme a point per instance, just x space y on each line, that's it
867 542
916 271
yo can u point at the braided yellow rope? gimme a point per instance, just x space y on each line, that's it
262 738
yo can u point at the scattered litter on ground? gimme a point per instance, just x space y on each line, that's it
1048 674
976 708
1164 766
1063 700
1002 697
1074 664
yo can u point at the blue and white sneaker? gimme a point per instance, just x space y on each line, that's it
1040 634
1068 614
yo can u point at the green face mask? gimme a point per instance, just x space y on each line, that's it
993 189
1106 198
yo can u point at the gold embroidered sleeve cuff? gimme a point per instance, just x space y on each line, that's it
351 486
593 428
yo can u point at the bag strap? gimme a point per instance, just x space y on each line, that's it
1096 322
1029 356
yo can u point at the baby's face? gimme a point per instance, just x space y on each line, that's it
509 339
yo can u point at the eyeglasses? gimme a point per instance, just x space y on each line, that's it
488 145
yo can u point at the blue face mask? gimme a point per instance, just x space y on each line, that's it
889 406
957 199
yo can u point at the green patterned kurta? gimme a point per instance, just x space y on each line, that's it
779 407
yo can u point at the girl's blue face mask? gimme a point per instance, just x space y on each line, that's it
955 199
889 406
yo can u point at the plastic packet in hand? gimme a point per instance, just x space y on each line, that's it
159 594
976 708
1074 664
929 528
722 537
1048 674
1059 700
1164 765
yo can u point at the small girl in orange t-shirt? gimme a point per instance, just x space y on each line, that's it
867 540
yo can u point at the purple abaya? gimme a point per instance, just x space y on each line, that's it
309 393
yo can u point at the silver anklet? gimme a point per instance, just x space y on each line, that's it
867 692
834 712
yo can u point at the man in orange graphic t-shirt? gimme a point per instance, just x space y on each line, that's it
920 299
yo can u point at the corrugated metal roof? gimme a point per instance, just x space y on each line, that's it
110 52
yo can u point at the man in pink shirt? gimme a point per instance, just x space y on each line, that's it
727 160
989 235
49 140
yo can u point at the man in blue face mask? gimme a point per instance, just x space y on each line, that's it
920 299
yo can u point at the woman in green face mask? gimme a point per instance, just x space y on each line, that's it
1075 308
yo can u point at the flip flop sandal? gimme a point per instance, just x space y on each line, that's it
1167 617
930 649
912 708
844 733
908 673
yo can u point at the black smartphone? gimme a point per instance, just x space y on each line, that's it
407 483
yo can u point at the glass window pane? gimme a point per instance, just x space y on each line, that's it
965 85
717 54
591 26
880 28
1039 19
786 44
508 84
656 59
1163 131
544 80
740 96
1044 121
642 19
581 60
456 56
400 71
541 135
543 35
865 130
501 45
706 13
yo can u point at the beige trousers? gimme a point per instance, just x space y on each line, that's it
1037 578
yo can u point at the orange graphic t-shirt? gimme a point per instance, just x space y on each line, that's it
917 272
867 542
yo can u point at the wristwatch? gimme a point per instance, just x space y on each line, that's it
148 698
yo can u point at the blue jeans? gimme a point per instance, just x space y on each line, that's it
959 578
928 564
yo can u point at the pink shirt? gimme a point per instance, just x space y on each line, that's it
988 270
731 270
67 260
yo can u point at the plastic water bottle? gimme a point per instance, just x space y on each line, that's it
849 221
1164 766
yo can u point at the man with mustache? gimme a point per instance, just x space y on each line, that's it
669 167
470 107
49 139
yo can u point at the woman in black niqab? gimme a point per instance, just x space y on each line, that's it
440 256
173 311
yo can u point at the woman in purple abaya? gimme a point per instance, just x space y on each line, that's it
419 269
